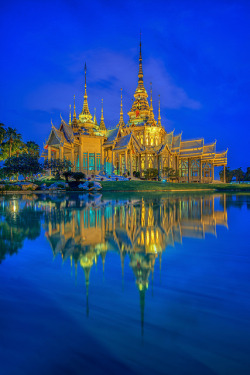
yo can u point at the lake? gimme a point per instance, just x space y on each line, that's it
125 283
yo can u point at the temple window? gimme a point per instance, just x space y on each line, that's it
85 160
98 162
92 161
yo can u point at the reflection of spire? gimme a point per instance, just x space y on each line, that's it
160 259
142 306
76 272
87 274
102 124
122 263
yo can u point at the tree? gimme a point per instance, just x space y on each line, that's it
78 176
33 149
239 174
24 164
57 166
151 173
170 173
228 173
247 174
2 133
12 143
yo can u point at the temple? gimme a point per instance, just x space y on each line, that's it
136 146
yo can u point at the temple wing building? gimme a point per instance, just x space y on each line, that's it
136 146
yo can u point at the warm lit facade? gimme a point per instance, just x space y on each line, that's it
140 144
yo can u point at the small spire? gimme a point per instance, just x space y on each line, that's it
140 74
74 113
95 121
151 100
102 124
121 122
85 109
159 113
70 114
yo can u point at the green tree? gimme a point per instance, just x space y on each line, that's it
247 174
12 143
57 166
170 173
228 173
151 173
239 174
24 164
33 149
2 133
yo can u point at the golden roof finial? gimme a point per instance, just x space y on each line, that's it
102 124
74 113
151 100
159 113
85 109
95 121
121 112
140 74
70 114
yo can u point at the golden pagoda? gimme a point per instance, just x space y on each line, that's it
136 146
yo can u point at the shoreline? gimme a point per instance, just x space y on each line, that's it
215 190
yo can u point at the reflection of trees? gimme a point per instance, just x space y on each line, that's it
16 225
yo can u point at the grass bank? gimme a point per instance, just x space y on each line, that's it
163 186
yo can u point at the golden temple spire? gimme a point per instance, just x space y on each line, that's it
74 113
102 124
70 114
159 113
95 121
85 115
85 104
121 112
140 74
151 102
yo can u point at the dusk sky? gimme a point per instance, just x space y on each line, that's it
195 53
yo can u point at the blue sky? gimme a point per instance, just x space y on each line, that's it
196 54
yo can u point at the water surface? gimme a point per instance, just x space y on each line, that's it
125 283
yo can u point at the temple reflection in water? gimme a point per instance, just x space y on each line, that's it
137 228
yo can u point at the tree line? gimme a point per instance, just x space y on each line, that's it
238 173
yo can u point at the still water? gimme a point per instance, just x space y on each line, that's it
125 284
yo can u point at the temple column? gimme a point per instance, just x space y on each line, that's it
131 167
81 158
189 170
49 152
201 171
61 153
139 162
126 158
212 173
72 158
112 166
224 174
146 161
120 164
